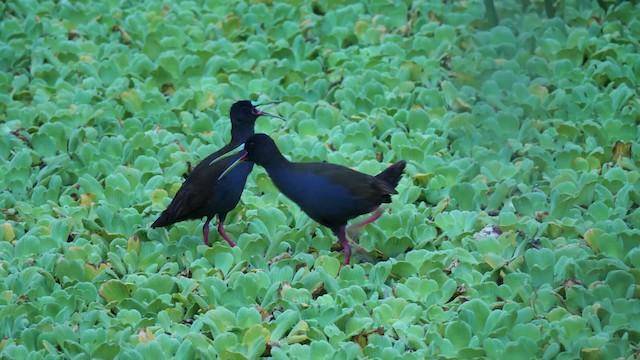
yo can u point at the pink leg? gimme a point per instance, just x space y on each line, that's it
341 232
376 214
224 234
205 231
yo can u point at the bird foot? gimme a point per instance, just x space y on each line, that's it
363 254
353 234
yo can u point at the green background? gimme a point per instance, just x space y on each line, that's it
516 232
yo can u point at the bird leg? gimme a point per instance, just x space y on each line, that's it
341 233
360 252
223 233
205 231
363 254
353 229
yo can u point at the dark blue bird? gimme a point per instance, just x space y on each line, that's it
202 194
330 194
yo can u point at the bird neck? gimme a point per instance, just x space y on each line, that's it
240 133
274 161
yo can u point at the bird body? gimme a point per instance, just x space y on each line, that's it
203 194
328 193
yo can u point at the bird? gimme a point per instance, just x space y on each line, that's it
204 195
328 193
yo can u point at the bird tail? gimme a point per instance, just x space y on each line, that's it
391 175
163 220
175 211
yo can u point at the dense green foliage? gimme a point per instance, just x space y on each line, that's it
516 232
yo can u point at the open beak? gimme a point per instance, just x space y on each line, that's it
228 154
266 106
234 164
239 150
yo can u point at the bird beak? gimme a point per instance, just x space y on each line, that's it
235 163
229 154
266 106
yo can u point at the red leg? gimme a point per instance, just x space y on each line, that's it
224 234
341 232
376 214
205 231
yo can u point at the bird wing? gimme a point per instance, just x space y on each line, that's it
191 199
363 187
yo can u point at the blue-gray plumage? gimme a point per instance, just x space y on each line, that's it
330 194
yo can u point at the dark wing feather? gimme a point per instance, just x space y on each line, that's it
191 199
368 190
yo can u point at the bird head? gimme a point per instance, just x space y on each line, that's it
246 112
259 149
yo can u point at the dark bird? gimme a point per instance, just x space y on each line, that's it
203 194
330 194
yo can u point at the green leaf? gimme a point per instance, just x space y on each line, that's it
622 283
458 333
248 317
308 128
330 265
282 323
540 263
380 272
256 338
456 223
109 71
115 290
356 325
